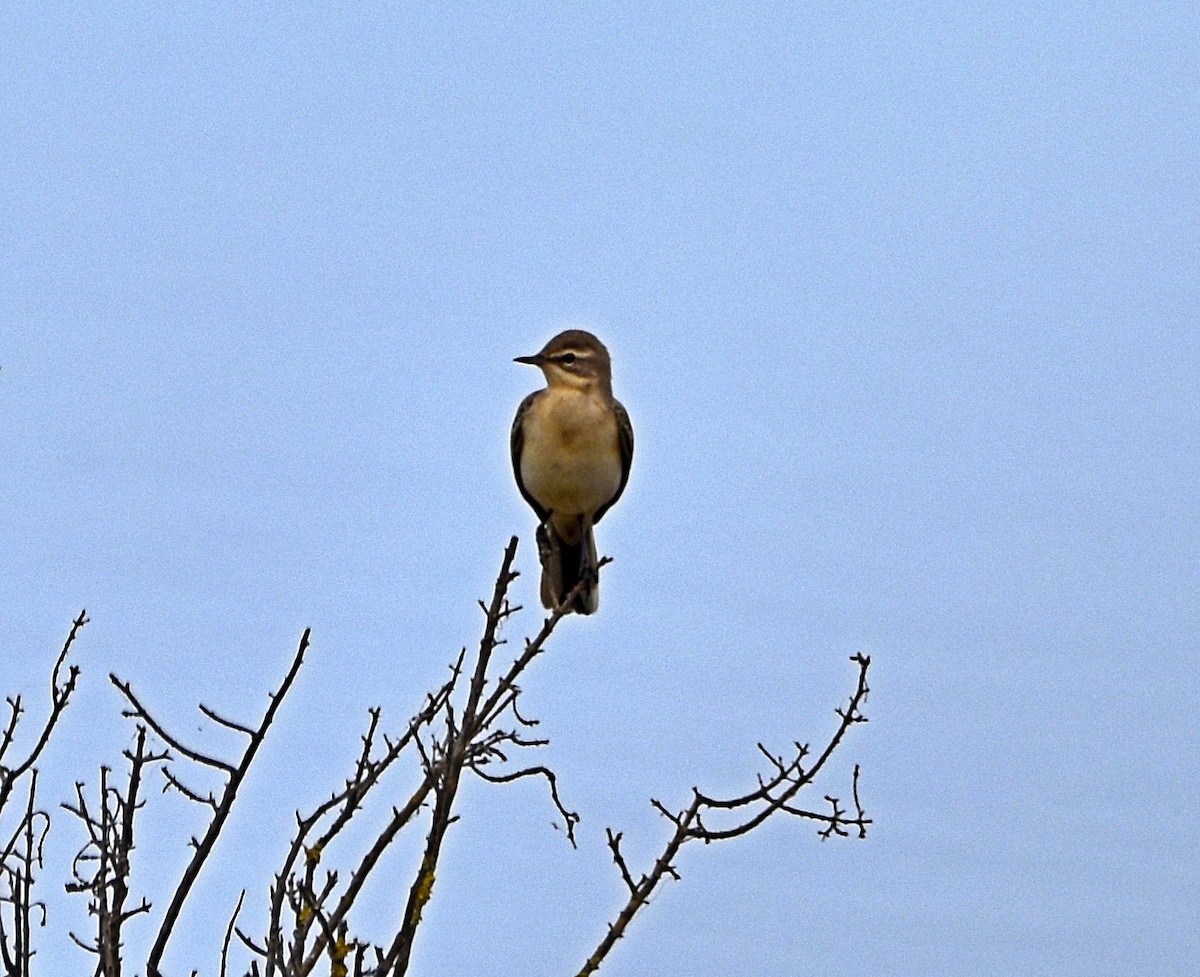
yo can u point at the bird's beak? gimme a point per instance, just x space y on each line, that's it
535 360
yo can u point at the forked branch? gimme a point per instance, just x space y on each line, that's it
471 724
61 690
221 805
742 815
102 867
21 843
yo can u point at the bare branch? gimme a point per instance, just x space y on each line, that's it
614 845
470 742
570 818
508 682
837 822
793 775
367 775
773 794
204 846
447 774
174 783
140 713
229 934
102 866
10 729
23 853
473 722
222 721
60 696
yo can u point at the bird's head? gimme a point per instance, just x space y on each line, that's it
574 358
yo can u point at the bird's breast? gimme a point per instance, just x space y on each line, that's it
571 462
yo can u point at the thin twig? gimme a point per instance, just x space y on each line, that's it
229 934
60 695
204 847
140 713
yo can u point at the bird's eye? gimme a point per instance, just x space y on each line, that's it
567 358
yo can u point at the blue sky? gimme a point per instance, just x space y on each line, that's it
902 301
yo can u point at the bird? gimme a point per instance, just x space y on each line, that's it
572 447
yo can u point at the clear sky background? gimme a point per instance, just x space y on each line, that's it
902 300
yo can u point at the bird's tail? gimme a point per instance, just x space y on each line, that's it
564 565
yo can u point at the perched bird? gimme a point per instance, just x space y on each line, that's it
572 445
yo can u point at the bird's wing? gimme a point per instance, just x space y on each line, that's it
516 443
625 446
